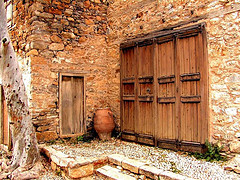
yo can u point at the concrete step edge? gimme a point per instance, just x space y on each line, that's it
112 173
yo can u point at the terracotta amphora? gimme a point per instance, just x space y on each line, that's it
104 123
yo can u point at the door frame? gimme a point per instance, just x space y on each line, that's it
61 74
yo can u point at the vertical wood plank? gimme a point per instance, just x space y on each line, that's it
1 114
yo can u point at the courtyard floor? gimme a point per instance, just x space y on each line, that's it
177 162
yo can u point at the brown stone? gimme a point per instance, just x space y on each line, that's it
237 170
51 127
47 53
65 22
55 11
33 52
53 166
68 48
116 159
69 35
55 38
44 1
38 45
132 165
57 26
39 37
150 171
44 15
87 4
89 21
68 12
36 7
80 172
66 1
70 19
98 18
46 136
82 39
235 146
56 46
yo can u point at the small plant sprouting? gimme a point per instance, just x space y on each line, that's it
51 142
212 153
173 168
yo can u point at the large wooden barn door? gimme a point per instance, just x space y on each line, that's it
165 90
72 106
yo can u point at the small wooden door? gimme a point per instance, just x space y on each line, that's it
72 102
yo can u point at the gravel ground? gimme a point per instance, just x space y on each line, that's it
177 162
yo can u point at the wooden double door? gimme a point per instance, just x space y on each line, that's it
164 90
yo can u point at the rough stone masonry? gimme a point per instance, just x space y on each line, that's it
52 36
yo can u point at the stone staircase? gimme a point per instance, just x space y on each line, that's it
115 166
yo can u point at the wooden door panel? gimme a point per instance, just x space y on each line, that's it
145 61
67 110
166 122
128 63
128 123
145 90
78 105
190 76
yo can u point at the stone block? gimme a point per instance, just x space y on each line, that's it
41 45
80 172
99 162
53 166
132 165
116 159
150 171
68 12
89 21
108 172
79 162
173 176
46 136
56 46
32 52
235 146
69 35
55 38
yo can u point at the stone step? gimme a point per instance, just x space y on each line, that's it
109 172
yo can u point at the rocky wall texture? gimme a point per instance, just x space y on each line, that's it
222 24
62 36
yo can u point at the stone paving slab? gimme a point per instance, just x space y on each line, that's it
132 165
109 172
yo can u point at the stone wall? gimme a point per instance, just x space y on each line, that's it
222 23
62 36
53 36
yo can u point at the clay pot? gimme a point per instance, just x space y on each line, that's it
104 123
